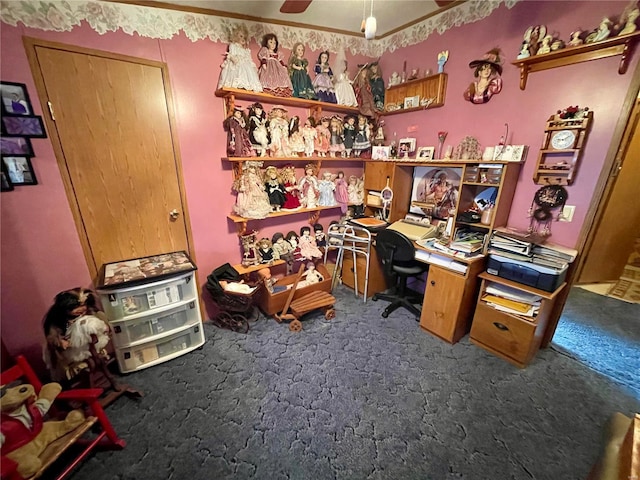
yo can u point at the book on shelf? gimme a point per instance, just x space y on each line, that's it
508 243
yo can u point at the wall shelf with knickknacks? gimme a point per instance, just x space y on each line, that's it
624 46
431 92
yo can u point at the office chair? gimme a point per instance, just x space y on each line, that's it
397 254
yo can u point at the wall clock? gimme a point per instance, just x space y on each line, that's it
565 135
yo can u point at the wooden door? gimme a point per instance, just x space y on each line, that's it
112 130
619 223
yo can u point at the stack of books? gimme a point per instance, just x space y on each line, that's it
468 242
511 300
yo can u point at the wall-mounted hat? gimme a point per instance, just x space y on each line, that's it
493 57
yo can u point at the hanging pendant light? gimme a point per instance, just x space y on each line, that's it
370 25
364 10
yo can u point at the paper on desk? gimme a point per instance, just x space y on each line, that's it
512 293
532 312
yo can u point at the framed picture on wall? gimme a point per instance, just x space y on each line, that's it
15 98
19 170
16 146
23 126
5 183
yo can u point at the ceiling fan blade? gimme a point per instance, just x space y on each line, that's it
294 6
443 3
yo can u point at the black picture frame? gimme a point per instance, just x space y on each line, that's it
19 170
30 126
15 98
5 183
16 146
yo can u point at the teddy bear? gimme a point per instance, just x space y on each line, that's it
23 433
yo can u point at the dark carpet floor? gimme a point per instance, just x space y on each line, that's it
360 397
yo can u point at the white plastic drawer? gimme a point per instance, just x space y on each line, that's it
124 303
151 353
126 332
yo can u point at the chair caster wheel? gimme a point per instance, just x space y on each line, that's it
385 314
375 297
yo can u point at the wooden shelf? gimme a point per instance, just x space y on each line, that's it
624 45
314 215
233 94
433 86
291 159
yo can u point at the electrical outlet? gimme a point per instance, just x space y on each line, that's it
567 213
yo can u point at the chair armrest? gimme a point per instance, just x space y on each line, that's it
80 394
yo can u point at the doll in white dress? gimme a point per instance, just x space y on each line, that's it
296 141
309 188
252 200
238 69
279 130
355 190
309 135
327 188
344 89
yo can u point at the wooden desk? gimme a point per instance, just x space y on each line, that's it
450 295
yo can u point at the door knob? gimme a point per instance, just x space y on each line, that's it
174 214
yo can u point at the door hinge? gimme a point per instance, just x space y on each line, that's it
616 168
53 117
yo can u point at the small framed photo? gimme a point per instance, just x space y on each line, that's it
15 98
406 146
5 183
425 154
412 102
510 153
379 152
16 146
19 169
23 126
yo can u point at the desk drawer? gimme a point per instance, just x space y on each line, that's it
507 334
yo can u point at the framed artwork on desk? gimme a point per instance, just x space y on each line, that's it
435 191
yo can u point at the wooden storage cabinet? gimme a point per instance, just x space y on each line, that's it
155 321
400 178
449 299
377 282
432 87
512 337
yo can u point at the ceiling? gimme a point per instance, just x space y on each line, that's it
344 15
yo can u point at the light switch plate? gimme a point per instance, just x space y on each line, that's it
567 213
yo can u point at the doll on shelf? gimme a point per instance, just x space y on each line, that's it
349 133
362 89
575 38
294 241
273 72
377 85
344 90
238 141
311 276
266 252
291 190
362 143
296 141
323 137
258 129
309 135
323 83
308 248
69 325
355 190
279 131
250 255
336 141
321 238
299 74
238 69
341 192
309 187
283 249
326 188
252 200
275 188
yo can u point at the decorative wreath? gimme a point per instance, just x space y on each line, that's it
548 198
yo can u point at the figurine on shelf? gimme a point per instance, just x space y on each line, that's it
488 71
344 90
252 200
601 33
533 36
318 232
349 133
323 137
311 276
356 190
308 186
275 188
362 143
524 51
279 132
238 69
326 188
266 252
296 141
283 249
443 56
308 248
378 139
291 190
238 141
273 73
362 89
292 238
545 45
249 250
309 135
576 38
323 83
415 73
341 192
377 86
629 17
336 141
394 80
258 129
299 73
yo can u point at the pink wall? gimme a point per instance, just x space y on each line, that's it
41 253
